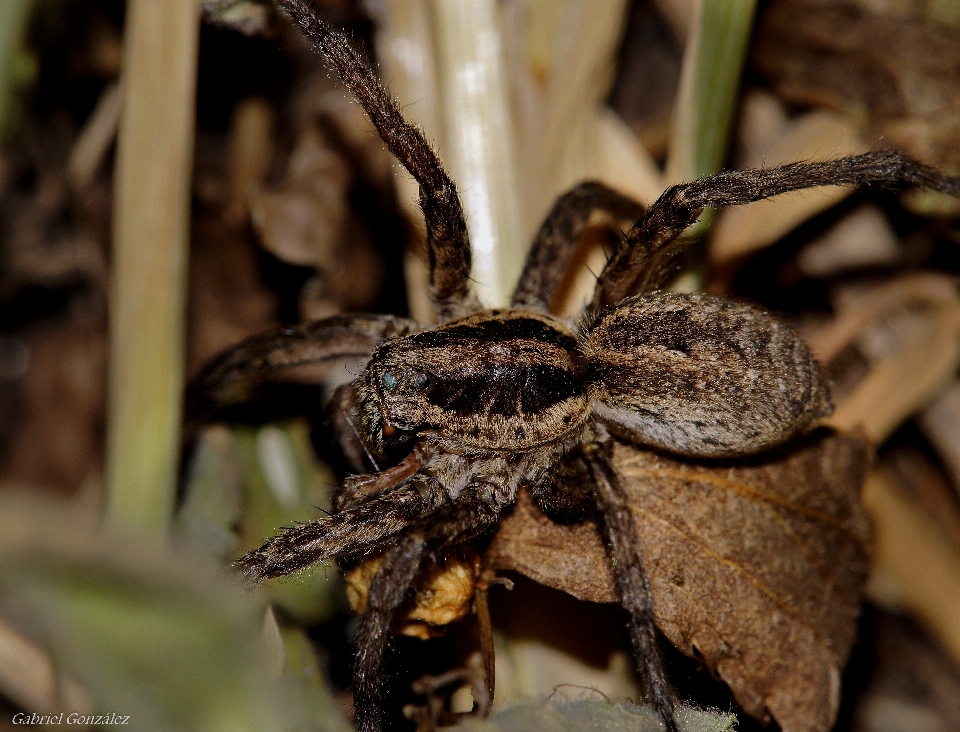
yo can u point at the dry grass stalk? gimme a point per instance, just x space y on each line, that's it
559 60
95 138
912 552
151 220
479 149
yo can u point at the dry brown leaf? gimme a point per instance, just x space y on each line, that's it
302 222
757 568
923 480
57 437
908 332
856 307
913 685
861 238
904 383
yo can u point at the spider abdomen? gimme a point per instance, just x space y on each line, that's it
497 380
700 375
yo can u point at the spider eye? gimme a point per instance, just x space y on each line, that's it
389 381
420 381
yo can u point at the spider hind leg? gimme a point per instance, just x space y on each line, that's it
635 266
452 524
389 589
620 535
448 244
555 242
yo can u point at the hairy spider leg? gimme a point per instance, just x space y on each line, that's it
448 244
354 532
559 233
267 357
451 523
620 535
630 269
387 592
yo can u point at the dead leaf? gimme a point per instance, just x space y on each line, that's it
908 333
914 555
757 568
913 685
861 238
302 222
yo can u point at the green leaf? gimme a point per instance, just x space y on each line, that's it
709 88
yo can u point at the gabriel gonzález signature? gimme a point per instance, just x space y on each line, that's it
72 718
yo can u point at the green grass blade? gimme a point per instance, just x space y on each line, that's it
709 88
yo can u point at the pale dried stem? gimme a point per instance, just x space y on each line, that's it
405 51
940 423
151 224
479 141
910 550
94 140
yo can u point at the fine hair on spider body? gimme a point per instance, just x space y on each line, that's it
454 420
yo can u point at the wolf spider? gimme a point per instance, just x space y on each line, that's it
453 420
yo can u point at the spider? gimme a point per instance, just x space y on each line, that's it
455 419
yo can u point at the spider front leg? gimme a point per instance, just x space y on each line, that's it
359 488
631 268
620 535
389 589
452 524
557 239
355 532
448 244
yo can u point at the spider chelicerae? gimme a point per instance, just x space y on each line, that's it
455 419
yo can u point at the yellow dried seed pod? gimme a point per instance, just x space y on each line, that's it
442 592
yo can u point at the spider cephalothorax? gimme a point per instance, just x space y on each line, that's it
452 421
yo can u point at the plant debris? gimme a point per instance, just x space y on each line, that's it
442 593
575 716
892 62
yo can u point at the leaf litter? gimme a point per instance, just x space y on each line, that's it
757 568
